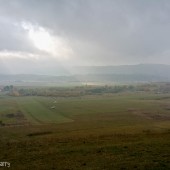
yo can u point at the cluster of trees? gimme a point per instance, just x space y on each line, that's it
8 88
109 89
165 88
60 92
86 90
82 90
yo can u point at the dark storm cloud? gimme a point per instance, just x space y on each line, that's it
100 32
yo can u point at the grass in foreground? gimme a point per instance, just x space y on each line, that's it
123 131
67 148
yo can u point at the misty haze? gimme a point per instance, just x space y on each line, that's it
85 84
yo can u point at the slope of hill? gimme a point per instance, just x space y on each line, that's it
100 74
140 69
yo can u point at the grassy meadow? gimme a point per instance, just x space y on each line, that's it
124 130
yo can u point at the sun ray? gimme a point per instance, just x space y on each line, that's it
44 41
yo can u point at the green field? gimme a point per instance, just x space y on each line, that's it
108 131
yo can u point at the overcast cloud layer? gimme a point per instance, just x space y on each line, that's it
85 32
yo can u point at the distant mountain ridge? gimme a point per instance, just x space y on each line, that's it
100 74
143 69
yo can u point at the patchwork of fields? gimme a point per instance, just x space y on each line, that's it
108 131
105 110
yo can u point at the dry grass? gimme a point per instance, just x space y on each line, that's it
108 132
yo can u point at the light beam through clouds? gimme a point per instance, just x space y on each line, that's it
53 45
18 54
78 32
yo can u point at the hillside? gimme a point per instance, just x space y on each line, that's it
143 69
99 74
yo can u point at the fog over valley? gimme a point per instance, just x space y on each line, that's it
38 37
85 84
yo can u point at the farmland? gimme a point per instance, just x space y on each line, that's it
99 129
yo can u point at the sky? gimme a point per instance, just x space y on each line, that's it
38 35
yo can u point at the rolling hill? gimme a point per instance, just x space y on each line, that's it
99 74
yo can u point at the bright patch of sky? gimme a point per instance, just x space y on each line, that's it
54 45
84 32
